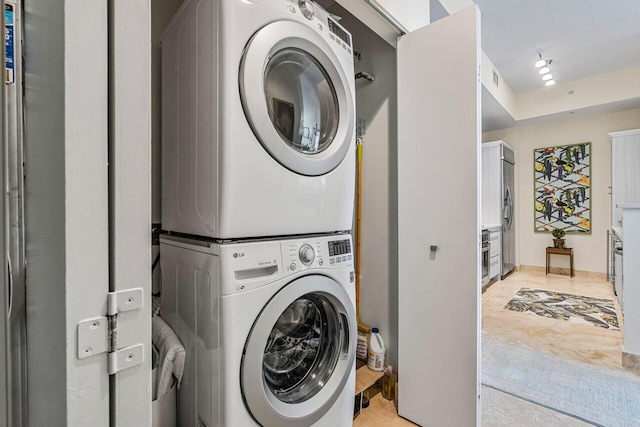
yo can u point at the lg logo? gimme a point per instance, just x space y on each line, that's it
238 255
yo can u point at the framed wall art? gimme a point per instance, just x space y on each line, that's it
562 188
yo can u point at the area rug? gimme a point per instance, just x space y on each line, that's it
596 395
574 308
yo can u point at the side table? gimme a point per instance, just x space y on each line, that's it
560 251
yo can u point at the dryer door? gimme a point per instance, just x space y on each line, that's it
297 98
300 353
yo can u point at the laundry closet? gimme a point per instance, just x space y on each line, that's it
418 99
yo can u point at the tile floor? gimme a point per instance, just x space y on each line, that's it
580 342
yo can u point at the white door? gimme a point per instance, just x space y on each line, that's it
310 337
297 97
87 209
439 185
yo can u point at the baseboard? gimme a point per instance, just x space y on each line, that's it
631 362
562 271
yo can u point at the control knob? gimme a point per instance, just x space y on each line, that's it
307 254
307 9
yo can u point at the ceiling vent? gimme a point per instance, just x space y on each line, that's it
496 79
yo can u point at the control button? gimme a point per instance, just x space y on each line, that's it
306 254
320 27
337 259
332 261
292 8
307 9
320 261
332 37
293 266
344 257
349 257
349 50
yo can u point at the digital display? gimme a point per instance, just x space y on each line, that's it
342 34
339 247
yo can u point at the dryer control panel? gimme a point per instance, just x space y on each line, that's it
322 21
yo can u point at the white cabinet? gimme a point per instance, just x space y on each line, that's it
492 183
619 277
625 178
495 244
630 276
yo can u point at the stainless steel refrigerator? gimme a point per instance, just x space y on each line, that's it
12 281
508 213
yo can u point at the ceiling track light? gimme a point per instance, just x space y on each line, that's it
544 70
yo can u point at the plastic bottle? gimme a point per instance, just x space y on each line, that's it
389 383
375 361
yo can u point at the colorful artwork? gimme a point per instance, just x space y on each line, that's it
562 186
573 308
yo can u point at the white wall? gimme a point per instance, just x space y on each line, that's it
376 103
161 13
590 249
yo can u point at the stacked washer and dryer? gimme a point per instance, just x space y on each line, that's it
258 166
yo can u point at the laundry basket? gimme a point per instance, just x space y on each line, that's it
163 410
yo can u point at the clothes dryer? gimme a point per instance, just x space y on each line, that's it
258 120
269 328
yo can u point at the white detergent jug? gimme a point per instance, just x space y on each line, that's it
375 361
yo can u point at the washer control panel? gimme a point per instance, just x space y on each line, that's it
317 252
307 254
340 251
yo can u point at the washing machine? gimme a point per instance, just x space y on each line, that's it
258 120
269 329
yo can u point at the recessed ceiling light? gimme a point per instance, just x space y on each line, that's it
547 77
544 70
550 83
541 62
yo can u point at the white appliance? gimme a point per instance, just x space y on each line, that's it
498 207
269 327
258 121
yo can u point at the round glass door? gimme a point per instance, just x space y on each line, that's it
301 100
297 97
300 353
302 349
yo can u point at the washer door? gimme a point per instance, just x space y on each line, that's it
300 353
297 98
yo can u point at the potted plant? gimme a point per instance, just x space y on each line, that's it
558 235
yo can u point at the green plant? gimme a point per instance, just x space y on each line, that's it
558 233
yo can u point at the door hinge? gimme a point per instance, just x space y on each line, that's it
99 334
